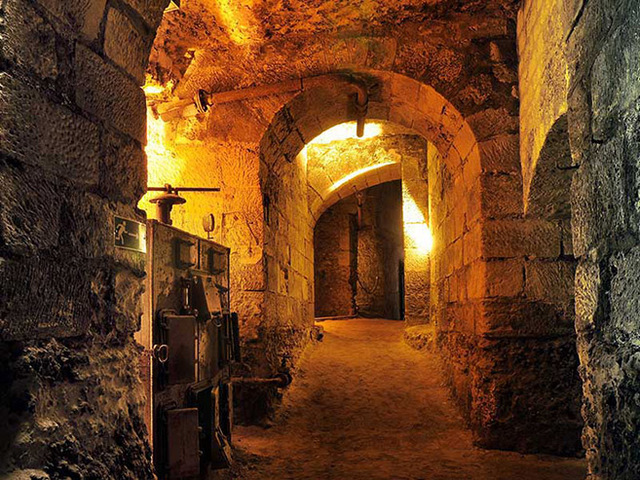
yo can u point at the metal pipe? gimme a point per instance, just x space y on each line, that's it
202 100
281 380
336 317
183 189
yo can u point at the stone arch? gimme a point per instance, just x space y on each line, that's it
480 303
365 178
393 97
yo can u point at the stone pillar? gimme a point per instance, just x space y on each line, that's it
604 123
417 237
72 126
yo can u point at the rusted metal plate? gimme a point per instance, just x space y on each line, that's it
183 454
181 338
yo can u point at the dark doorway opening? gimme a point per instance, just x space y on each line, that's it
359 254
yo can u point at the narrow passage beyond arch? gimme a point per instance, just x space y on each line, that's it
365 405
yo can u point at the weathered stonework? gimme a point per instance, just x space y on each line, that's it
597 42
70 401
335 260
72 121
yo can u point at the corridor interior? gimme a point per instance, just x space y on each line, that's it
309 239
367 406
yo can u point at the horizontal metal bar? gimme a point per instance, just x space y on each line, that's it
184 189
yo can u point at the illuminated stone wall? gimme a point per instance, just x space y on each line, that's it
543 75
418 240
73 126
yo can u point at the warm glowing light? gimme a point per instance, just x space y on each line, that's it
355 174
153 89
347 131
237 18
163 164
416 230
420 236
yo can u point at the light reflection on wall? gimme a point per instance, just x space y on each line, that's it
417 233
163 165
346 131
357 173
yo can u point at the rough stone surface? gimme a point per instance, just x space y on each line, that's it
600 48
70 401
71 149
125 45
110 95
79 17
448 71
335 265
26 39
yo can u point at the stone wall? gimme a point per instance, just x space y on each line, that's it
599 42
603 122
356 264
72 126
418 240
380 250
543 75
335 260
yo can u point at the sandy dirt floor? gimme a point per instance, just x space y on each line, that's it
364 405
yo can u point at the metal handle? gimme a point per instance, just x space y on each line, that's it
161 352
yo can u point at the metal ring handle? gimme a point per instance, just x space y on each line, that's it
161 352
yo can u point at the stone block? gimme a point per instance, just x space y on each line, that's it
125 45
500 154
501 195
83 16
515 238
107 93
614 82
30 212
513 318
44 297
493 122
86 225
600 216
404 90
151 11
551 282
402 113
622 327
38 132
123 170
26 39
588 295
503 278
526 395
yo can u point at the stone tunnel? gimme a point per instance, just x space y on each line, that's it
311 239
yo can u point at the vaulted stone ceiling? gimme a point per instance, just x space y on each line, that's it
226 44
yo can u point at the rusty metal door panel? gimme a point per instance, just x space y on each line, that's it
183 452
181 339
189 308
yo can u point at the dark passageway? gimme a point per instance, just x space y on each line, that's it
366 406
189 188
